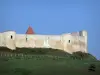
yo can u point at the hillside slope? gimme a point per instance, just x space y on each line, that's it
39 61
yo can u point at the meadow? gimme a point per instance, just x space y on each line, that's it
39 61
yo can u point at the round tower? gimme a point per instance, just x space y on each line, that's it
9 37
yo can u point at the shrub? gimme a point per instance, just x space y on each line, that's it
81 56
92 67
49 51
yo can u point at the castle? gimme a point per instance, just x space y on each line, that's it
69 42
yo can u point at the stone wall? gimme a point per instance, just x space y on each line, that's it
67 42
2 40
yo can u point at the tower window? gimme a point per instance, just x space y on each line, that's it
69 41
11 36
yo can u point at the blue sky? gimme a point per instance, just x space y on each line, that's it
53 17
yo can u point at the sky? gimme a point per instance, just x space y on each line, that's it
53 17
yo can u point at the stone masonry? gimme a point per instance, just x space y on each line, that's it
69 42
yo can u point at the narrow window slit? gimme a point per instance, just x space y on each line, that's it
26 39
11 36
69 41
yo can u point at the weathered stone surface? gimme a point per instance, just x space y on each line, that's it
67 42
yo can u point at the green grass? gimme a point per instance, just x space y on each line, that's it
48 62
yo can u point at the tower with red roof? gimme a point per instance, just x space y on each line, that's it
30 30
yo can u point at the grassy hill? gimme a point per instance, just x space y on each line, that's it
44 61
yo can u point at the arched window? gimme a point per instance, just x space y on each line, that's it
11 36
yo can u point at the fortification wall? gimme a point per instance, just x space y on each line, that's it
55 42
20 40
2 40
67 42
36 40
41 41
29 40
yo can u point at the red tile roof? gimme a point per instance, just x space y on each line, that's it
30 30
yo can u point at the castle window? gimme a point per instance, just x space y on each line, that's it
26 39
69 41
11 36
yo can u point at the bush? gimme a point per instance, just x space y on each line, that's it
92 67
49 51
36 51
81 56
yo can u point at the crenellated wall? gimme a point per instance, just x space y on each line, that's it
70 42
